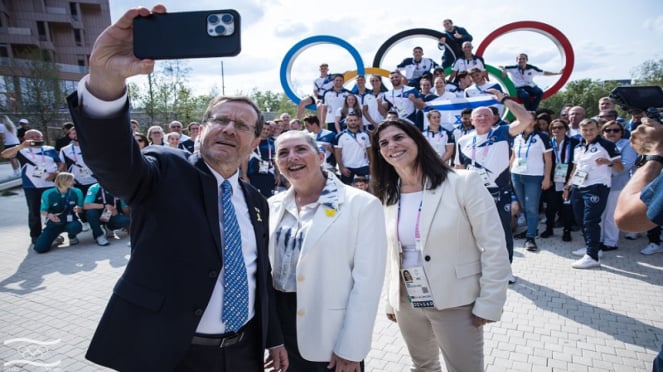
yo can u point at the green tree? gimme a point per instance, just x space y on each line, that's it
38 89
273 102
166 95
650 72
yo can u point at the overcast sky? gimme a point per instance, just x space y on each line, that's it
609 37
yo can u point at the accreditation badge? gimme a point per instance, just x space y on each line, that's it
263 166
482 173
560 172
418 289
85 172
579 177
521 166
38 172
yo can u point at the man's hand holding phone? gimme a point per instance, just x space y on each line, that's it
112 60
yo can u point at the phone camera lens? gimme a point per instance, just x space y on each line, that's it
220 29
213 19
227 18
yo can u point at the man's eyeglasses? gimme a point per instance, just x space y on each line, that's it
612 130
176 127
224 122
557 127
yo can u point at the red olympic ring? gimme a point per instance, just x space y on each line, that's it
556 36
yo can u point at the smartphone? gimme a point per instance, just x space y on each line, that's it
36 143
200 34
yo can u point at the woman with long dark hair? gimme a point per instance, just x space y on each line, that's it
444 230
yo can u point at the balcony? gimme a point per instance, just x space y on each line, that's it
22 31
17 35
56 15
27 64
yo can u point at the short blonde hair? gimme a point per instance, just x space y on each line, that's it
62 178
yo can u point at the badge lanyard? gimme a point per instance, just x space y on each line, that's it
432 134
417 233
73 153
66 202
103 197
558 154
529 143
34 157
269 151
474 147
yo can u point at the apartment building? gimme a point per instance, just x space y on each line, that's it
41 39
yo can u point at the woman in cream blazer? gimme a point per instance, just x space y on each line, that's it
443 223
328 251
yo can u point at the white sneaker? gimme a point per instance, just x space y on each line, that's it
512 279
86 226
582 251
586 262
102 241
579 252
652 248
631 235
59 240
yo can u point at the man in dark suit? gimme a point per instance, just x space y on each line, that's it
168 311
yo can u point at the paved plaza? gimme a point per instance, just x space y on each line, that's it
556 318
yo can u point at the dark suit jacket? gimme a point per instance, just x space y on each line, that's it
158 302
569 147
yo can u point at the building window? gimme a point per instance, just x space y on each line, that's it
4 50
73 9
41 30
77 37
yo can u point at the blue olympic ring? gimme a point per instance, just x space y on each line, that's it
286 65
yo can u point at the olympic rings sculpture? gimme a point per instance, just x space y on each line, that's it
557 37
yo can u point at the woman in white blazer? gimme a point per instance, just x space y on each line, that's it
328 251
447 265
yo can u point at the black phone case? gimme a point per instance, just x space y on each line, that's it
183 35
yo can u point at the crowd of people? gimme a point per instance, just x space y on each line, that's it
293 224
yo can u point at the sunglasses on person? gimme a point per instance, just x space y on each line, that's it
612 130
560 127
140 140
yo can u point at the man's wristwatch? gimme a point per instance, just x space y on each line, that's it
642 159
506 98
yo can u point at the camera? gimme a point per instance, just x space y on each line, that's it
220 24
642 98
36 143
200 34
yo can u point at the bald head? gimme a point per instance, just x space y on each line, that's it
33 135
576 115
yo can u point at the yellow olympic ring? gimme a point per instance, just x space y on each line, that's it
348 75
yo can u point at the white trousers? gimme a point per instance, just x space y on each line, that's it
609 230
428 331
